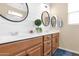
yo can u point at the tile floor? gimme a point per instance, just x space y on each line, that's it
60 52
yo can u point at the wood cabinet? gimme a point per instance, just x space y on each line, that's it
37 46
55 42
28 43
47 45
16 48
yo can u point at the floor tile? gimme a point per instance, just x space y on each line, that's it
60 52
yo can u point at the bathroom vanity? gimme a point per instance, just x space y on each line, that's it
38 36
37 46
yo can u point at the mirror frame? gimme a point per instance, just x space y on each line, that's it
43 19
20 20
60 22
53 18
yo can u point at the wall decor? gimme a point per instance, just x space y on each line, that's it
59 22
53 21
38 23
14 12
45 18
56 21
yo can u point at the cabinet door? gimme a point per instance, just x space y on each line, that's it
47 47
55 43
23 53
8 49
35 51
25 44
47 37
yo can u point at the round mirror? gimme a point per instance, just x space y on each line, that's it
45 18
53 21
15 12
59 22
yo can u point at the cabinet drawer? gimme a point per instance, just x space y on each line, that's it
55 42
29 43
35 51
55 35
47 47
47 37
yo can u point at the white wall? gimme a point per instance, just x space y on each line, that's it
35 11
69 36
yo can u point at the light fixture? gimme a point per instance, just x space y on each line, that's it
14 12
11 12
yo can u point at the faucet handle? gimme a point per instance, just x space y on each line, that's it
14 33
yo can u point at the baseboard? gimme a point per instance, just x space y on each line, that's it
69 50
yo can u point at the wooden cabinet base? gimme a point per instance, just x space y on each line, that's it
47 45
55 42
39 46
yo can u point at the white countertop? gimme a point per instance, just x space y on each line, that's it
21 36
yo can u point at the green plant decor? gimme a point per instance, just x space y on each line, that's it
38 23
39 30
